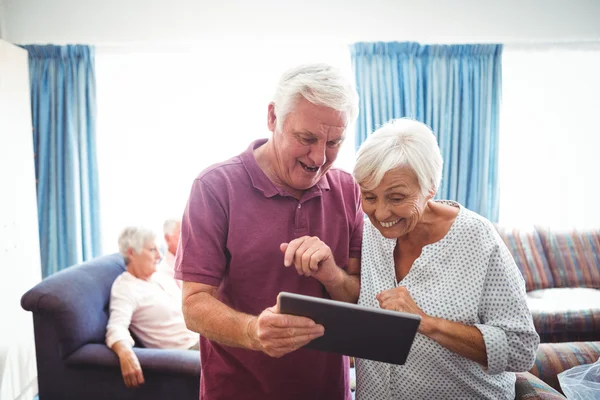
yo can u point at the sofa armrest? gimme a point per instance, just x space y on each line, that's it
172 361
530 387
554 358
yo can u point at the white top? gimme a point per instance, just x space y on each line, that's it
151 310
166 268
470 277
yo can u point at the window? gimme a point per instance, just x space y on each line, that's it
166 113
550 136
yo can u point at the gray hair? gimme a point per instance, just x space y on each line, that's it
321 84
134 237
169 225
400 143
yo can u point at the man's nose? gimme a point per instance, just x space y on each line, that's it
318 154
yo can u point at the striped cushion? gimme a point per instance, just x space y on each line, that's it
573 257
565 314
528 252
554 358
530 387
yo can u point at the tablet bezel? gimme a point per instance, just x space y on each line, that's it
354 330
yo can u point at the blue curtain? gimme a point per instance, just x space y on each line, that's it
63 104
455 90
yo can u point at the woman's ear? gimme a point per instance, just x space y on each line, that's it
431 194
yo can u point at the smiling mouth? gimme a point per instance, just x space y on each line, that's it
389 224
309 169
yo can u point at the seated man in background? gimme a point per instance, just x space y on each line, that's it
171 231
142 303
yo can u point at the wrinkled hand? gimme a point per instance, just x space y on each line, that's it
311 257
399 299
131 370
278 334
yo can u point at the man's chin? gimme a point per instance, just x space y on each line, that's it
306 184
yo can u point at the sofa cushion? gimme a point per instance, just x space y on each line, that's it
554 358
573 257
526 248
565 314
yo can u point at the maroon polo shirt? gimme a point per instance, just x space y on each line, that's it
233 224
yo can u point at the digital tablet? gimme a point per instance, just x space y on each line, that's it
353 330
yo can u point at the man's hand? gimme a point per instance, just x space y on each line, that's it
278 334
312 257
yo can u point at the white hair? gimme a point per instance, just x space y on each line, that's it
400 143
321 84
169 225
134 237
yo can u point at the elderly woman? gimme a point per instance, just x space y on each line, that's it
145 303
445 263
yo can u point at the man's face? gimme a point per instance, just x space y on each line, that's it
172 239
307 144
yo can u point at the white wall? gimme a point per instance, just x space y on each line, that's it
19 244
117 21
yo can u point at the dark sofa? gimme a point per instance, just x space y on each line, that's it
70 312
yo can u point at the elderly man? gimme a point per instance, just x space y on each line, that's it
144 304
171 232
278 204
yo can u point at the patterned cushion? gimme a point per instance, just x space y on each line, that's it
528 252
554 358
573 257
530 387
565 314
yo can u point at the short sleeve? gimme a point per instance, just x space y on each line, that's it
202 254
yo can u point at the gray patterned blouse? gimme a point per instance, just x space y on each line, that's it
470 277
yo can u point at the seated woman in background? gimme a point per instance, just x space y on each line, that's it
145 303
445 263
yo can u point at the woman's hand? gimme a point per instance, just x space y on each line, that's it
131 370
130 365
399 299
466 341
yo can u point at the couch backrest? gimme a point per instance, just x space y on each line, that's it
527 250
573 257
77 299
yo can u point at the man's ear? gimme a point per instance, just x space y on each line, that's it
271 118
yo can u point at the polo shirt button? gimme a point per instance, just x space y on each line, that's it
299 205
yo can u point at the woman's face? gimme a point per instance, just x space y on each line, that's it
143 264
396 205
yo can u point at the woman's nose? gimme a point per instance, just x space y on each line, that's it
381 212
